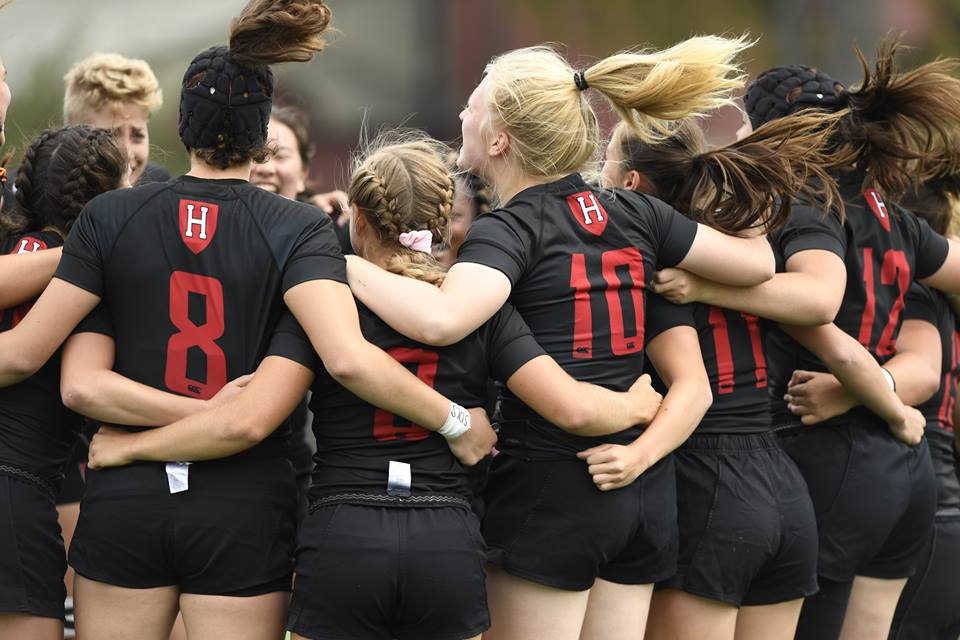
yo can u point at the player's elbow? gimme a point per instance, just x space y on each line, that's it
702 396
573 417
77 394
927 384
438 332
247 431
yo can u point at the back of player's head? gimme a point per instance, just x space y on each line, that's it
539 100
403 188
900 128
61 171
227 92
742 185
108 80
790 88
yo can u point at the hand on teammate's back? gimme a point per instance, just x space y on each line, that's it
816 396
646 400
911 431
474 445
676 285
108 448
613 465
230 391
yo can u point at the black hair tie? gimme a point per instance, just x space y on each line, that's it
581 81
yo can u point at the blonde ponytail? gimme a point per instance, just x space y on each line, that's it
535 98
653 91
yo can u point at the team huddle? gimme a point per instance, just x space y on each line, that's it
703 393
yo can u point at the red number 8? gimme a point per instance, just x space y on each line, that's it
191 335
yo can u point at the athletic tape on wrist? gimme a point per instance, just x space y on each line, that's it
457 424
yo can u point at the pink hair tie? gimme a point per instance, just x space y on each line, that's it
417 240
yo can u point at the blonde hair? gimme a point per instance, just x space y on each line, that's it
401 184
109 79
552 127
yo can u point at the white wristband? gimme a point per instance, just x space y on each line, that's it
457 424
889 377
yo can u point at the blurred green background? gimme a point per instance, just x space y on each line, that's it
414 62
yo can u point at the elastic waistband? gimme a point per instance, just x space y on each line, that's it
730 442
950 514
22 474
385 500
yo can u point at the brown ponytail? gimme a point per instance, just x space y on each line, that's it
271 31
901 127
744 184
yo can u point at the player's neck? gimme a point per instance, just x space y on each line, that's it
509 186
200 169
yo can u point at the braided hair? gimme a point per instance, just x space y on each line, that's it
402 185
61 171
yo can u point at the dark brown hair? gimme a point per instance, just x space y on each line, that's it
934 202
296 121
271 31
747 183
61 171
900 127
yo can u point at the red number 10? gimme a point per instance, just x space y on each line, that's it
620 344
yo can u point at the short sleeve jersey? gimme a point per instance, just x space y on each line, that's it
193 272
579 261
37 432
662 315
929 305
356 441
732 344
884 248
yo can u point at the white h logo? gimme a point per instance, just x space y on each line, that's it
202 221
881 208
593 208
23 246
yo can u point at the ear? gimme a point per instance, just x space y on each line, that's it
636 181
357 219
499 144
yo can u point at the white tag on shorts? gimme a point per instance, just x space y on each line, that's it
398 479
178 476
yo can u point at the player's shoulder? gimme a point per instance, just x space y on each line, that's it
277 210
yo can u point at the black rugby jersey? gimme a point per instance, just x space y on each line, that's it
579 260
884 248
929 305
37 432
732 344
663 315
356 441
193 272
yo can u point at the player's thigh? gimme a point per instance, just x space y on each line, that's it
524 610
27 627
107 612
616 611
237 617
871 608
677 615
769 622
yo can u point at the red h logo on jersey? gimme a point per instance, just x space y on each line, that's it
29 244
588 212
878 207
198 223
